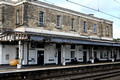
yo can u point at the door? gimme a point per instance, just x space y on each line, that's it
84 56
40 55
59 57
95 54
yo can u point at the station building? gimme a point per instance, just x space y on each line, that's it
38 33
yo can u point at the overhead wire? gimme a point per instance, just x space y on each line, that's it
117 1
98 5
49 2
94 9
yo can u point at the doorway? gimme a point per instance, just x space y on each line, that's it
84 56
40 55
59 57
95 54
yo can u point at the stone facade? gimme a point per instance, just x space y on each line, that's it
29 16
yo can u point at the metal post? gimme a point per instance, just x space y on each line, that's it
63 51
112 55
19 66
92 55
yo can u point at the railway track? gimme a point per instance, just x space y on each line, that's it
88 75
99 76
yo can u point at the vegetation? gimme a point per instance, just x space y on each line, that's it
116 40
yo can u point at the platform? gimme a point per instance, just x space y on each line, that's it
10 69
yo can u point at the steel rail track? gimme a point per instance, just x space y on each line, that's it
88 75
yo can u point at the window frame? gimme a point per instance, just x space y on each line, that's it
17 53
107 31
94 28
72 24
84 26
7 57
41 18
17 17
72 54
58 21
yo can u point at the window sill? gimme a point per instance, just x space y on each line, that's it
107 35
58 27
85 32
94 33
42 25
17 23
72 29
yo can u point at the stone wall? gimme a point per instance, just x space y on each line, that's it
7 17
29 16
50 22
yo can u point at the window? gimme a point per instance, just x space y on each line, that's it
17 53
107 31
111 55
94 28
7 56
17 17
95 48
58 21
101 53
84 26
72 54
105 55
58 46
90 53
41 18
84 47
72 24
40 45
73 46
95 54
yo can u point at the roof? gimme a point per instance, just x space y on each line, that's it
17 36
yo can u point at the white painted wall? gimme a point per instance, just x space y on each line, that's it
49 54
32 54
11 51
50 51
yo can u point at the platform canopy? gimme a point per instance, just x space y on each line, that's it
72 41
19 36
